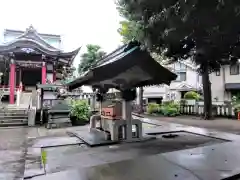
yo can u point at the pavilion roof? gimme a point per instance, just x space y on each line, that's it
31 42
125 68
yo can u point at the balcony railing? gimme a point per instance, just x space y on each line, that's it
7 88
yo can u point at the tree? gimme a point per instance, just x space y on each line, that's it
129 30
206 31
89 58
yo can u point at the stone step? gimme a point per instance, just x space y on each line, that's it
12 114
13 117
13 122
9 124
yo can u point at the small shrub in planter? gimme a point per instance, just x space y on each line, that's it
80 112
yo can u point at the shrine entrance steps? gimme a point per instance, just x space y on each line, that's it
13 116
25 99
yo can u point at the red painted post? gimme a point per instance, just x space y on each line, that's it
238 115
12 82
44 73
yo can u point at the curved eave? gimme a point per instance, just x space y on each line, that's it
70 55
27 43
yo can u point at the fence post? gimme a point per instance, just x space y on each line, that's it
196 108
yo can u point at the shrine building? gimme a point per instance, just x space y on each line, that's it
29 58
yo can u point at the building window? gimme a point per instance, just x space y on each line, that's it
181 76
234 69
183 67
218 73
179 66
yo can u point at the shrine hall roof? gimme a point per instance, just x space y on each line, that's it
30 41
125 68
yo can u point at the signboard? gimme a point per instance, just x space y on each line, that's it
29 64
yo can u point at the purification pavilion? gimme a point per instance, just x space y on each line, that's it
124 69
29 59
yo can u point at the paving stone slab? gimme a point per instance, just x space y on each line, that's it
217 161
11 164
56 141
154 168
33 163
93 138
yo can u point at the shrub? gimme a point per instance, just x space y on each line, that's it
236 108
152 108
169 111
80 109
192 95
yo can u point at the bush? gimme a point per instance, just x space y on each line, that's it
236 108
169 111
192 95
152 108
80 109
168 108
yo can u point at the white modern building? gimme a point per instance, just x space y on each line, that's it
225 83
188 80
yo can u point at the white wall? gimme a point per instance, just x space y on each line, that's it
231 78
217 85
192 78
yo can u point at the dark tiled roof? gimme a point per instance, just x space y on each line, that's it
122 61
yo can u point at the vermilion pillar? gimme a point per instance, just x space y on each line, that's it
12 82
44 73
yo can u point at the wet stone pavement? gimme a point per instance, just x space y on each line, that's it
12 152
188 153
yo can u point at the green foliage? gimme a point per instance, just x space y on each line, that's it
236 103
168 108
236 108
130 30
152 108
183 29
80 109
192 95
89 58
44 157
169 111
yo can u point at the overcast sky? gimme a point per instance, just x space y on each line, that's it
80 22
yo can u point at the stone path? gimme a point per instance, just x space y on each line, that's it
221 124
12 152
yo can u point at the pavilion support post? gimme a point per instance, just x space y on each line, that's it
44 73
127 115
12 82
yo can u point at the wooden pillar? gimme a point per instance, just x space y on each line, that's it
44 73
12 82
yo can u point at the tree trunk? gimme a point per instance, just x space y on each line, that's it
207 94
140 96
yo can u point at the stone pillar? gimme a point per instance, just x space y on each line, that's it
12 82
44 73
127 115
